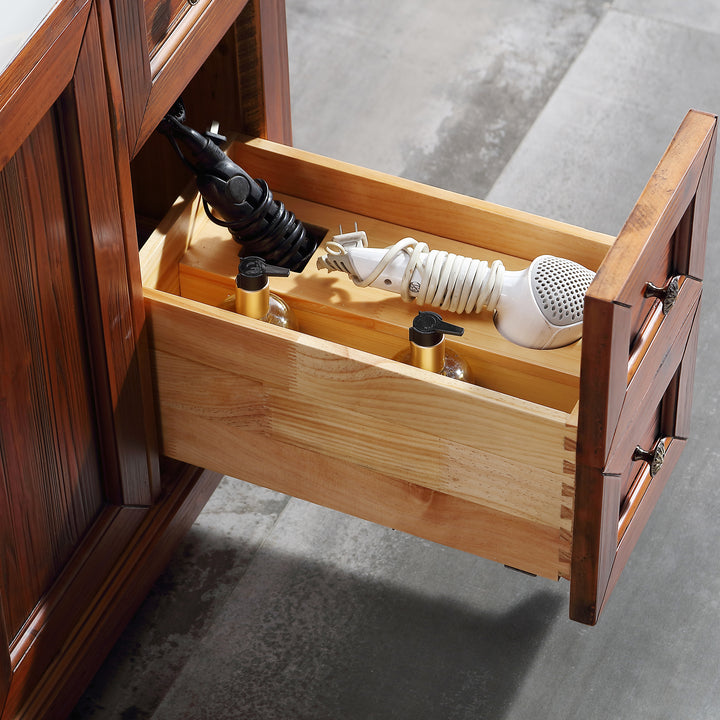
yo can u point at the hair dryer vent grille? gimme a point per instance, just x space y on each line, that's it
559 286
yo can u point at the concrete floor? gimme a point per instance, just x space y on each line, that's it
277 609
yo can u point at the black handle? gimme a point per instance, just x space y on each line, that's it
428 329
253 273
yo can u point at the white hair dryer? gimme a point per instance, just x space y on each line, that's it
538 307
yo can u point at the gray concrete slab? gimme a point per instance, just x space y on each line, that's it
597 140
437 92
585 160
183 605
340 618
699 14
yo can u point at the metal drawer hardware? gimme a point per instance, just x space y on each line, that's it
654 458
668 294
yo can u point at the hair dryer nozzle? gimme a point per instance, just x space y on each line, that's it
542 306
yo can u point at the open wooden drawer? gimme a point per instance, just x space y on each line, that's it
535 466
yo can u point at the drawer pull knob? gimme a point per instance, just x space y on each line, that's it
667 294
654 458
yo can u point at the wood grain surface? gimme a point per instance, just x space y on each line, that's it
86 525
39 72
334 427
637 363
501 453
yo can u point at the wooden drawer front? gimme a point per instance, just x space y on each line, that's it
638 362
163 44
161 18
326 415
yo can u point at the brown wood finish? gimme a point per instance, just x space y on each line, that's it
42 353
677 403
161 17
133 58
108 304
627 371
76 105
45 631
80 542
5 669
106 609
263 64
649 384
5 540
152 84
228 88
58 446
135 295
30 85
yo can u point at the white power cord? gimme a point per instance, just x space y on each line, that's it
539 307
430 277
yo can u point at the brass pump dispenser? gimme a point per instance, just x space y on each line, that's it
427 347
253 297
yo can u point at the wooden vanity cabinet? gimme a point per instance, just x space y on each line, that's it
93 502
162 46
89 511
79 461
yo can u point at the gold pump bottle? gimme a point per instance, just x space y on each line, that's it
253 297
427 347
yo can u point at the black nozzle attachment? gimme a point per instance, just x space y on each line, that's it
428 329
253 273
232 199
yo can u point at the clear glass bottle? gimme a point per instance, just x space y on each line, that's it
427 347
253 297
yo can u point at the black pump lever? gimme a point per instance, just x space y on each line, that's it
429 328
253 273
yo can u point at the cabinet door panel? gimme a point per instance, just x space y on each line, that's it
105 274
48 430
75 442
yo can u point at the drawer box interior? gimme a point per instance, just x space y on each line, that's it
326 414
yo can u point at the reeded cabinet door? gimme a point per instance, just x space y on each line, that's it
78 468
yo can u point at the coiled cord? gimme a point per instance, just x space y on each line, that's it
271 232
448 281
